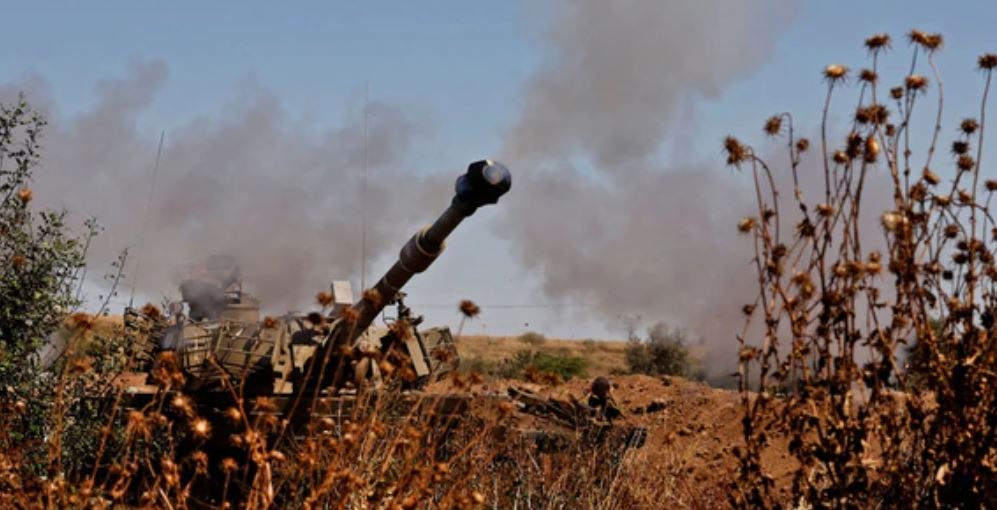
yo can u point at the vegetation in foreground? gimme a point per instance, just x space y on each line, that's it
837 303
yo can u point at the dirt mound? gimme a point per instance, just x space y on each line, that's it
692 429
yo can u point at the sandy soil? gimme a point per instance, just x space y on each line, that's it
689 441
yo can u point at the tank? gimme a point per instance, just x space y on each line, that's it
313 364
217 334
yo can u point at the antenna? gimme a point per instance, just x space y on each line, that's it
363 195
145 219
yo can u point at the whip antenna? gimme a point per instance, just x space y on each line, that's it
145 219
363 195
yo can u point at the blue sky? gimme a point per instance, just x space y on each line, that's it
458 61
460 65
463 62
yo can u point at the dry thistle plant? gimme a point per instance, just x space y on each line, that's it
827 368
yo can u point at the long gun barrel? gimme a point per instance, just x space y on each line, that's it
483 184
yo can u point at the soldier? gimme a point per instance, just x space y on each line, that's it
600 398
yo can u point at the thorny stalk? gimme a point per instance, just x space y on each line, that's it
875 358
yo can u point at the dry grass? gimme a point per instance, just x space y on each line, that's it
392 452
602 357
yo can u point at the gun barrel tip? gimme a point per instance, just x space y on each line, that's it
495 173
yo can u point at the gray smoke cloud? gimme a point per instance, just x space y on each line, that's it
634 236
251 181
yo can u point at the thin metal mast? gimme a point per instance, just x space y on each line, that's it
363 195
145 219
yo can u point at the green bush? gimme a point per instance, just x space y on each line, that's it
663 352
528 362
49 394
532 338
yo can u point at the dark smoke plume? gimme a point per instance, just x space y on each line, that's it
251 181
600 218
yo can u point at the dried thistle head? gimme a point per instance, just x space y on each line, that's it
991 185
350 315
871 149
151 311
841 157
868 76
81 321
897 93
182 404
233 414
969 126
773 126
916 82
737 152
373 296
200 462
264 405
25 195
201 428
918 37
802 145
324 298
386 367
965 162
854 145
892 221
929 42
878 42
987 61
876 114
469 308
746 224
835 73
167 358
960 147
862 115
229 465
137 424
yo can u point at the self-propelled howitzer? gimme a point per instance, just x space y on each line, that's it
222 337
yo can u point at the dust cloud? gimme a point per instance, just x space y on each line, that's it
598 213
251 181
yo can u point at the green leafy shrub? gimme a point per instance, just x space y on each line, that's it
54 386
528 362
532 338
663 352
